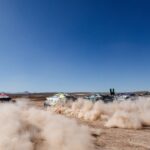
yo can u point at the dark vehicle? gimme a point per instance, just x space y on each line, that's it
107 98
70 97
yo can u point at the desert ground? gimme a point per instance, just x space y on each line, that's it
105 138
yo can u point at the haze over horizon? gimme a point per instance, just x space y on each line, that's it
80 45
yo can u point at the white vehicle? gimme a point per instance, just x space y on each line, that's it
58 98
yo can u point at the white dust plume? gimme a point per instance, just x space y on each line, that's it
25 128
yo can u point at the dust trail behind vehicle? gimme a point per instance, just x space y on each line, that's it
124 114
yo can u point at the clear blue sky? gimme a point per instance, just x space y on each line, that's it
74 45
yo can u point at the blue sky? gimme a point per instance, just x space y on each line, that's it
74 45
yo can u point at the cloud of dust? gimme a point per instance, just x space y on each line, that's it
123 114
27 128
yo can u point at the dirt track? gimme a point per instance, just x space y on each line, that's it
122 139
115 138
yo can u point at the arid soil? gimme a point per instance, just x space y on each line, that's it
112 138
122 139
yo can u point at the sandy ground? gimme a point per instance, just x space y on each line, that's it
122 139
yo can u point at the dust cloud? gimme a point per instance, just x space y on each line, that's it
23 127
122 114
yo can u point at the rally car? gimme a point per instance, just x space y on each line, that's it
58 98
5 98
